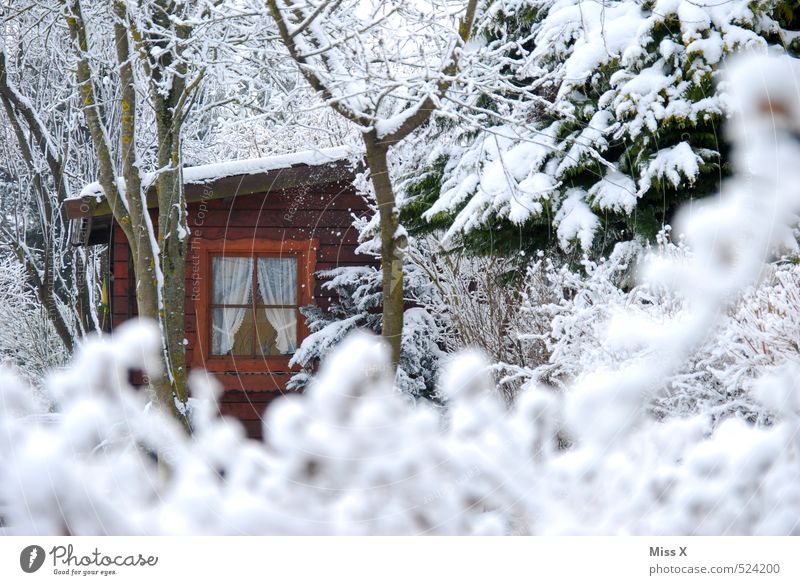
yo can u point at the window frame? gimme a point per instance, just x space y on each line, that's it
306 253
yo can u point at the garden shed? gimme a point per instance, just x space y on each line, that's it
260 230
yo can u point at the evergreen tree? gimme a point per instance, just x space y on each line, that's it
591 124
356 299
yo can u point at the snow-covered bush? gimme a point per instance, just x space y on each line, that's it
765 329
456 301
352 456
355 304
28 342
565 315
475 300
759 336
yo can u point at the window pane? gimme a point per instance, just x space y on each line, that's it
277 281
277 331
232 280
232 331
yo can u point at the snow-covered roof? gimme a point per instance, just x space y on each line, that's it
212 172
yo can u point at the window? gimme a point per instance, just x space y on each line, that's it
248 307
253 306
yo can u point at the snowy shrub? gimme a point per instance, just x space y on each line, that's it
355 304
566 313
352 456
28 342
759 336
764 330
476 300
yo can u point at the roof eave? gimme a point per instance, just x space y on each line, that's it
300 175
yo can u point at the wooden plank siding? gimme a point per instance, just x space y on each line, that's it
323 213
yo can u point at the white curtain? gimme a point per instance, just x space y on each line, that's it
232 285
277 282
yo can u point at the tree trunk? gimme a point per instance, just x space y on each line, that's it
173 266
172 223
393 244
150 252
83 298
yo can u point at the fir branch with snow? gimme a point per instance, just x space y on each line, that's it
587 123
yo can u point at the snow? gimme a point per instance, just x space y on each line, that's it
651 391
604 31
324 340
389 126
674 165
93 190
505 182
599 76
207 173
350 456
212 172
616 191
575 220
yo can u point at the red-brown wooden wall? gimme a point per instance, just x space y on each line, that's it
319 212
